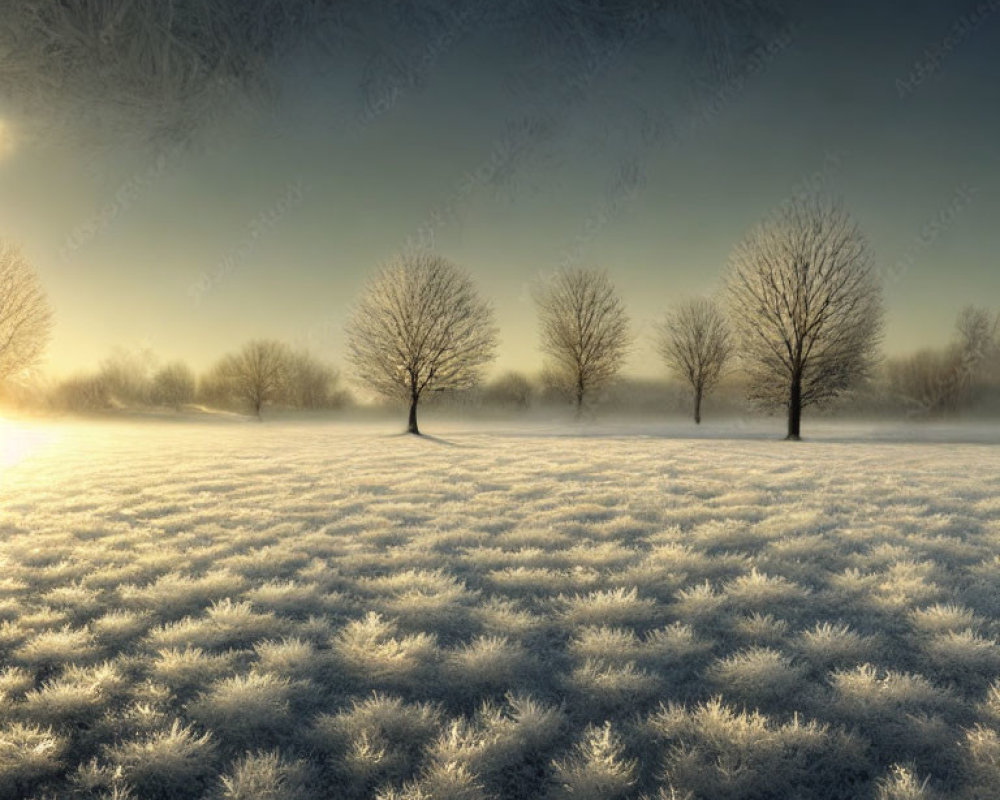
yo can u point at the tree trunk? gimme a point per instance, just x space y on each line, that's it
579 398
795 409
697 405
412 426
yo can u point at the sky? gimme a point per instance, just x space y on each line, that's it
513 157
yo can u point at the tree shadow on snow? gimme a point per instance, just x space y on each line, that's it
427 437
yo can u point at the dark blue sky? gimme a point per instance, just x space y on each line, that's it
512 159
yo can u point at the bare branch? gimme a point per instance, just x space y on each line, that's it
420 326
584 330
695 343
257 374
806 306
25 316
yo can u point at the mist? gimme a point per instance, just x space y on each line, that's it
476 400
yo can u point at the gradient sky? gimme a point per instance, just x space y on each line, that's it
269 225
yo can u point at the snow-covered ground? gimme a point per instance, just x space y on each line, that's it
590 611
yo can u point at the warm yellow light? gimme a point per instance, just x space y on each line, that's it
17 442
6 140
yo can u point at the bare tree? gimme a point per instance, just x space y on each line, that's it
958 376
806 306
928 382
512 389
25 316
127 376
979 345
312 383
256 374
978 331
420 326
584 330
81 393
695 343
173 385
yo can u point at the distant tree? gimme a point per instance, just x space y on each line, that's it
643 396
695 343
509 390
81 393
173 385
978 343
25 316
256 375
927 383
215 390
806 307
584 331
127 376
420 326
978 331
311 383
957 377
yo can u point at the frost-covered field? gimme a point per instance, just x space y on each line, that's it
296 610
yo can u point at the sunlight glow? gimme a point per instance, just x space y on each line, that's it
17 442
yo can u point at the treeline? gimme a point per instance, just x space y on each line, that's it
960 377
515 392
797 323
262 373
963 376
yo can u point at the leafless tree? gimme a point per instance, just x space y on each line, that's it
927 383
938 382
695 343
127 376
806 307
420 326
25 316
81 393
977 330
312 383
584 330
959 376
979 343
173 385
256 374
512 389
